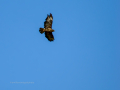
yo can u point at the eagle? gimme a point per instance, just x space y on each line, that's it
48 28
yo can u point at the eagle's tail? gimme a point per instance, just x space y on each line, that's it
41 30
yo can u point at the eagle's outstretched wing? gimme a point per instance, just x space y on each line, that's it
48 21
49 36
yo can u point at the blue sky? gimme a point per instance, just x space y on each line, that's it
83 56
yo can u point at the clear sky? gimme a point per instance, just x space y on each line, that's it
85 54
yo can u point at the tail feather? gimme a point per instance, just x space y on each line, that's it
41 30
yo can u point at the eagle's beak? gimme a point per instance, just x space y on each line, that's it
53 30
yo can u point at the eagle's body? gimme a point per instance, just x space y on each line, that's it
48 28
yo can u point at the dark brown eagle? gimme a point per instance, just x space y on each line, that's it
48 28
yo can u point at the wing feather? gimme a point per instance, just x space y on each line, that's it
48 21
49 36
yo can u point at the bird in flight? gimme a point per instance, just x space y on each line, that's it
48 28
